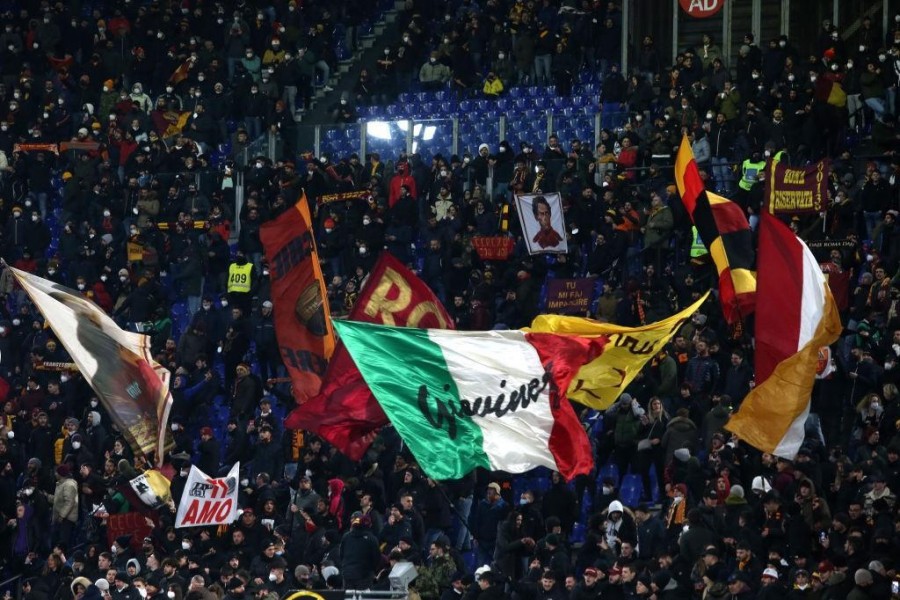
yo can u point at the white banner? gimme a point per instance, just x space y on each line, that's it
209 500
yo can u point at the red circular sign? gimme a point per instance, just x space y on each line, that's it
701 9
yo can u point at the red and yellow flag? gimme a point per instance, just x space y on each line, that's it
302 317
724 229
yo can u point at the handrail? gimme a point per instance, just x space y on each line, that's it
18 588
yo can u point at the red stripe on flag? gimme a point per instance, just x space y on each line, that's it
564 356
779 295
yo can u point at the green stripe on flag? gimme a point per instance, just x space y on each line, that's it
410 379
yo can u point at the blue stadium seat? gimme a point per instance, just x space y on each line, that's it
610 471
631 490
579 533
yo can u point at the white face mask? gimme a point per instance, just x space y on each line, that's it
76 445
106 213
170 594
123 279
174 427
185 545
142 592
81 286
224 303
273 577
94 403
17 322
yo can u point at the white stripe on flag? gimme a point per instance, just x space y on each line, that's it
521 439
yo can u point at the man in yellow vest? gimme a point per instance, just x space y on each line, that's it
698 248
241 282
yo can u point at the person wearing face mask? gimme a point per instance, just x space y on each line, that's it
343 111
433 75
15 234
256 108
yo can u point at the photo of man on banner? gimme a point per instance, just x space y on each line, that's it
542 222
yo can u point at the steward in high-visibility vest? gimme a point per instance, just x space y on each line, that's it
698 248
750 171
241 280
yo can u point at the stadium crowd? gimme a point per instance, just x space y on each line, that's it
110 116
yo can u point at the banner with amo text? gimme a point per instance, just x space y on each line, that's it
209 500
796 190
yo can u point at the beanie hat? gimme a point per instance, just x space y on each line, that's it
737 491
109 84
683 454
863 577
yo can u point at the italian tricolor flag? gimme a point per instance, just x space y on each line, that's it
492 399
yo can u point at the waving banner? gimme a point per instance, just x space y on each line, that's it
117 364
209 500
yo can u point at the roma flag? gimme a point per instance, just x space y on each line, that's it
118 365
600 382
467 399
302 318
797 316
181 73
724 229
345 412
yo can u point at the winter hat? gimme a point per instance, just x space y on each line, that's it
877 566
615 506
102 585
737 491
79 581
485 146
760 484
863 577
63 470
329 571
683 454
95 417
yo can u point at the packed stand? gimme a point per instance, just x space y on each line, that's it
130 213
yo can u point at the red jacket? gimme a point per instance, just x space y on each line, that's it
397 181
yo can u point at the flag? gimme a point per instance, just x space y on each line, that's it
600 382
152 488
209 500
133 388
181 73
724 229
302 318
492 399
796 317
345 412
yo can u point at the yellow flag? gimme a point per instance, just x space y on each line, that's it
600 382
